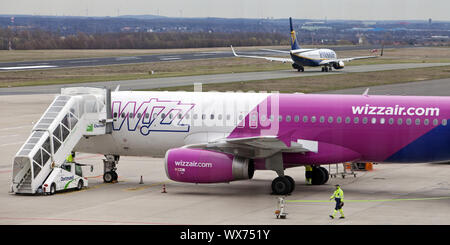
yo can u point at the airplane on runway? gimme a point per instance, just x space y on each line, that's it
215 137
300 57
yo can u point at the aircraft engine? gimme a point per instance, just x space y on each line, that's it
339 65
204 166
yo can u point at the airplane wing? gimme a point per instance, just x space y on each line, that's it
330 61
284 60
277 51
256 147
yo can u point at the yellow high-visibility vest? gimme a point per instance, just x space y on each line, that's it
339 193
69 158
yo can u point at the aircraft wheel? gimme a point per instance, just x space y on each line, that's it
108 177
281 186
115 176
319 176
327 175
323 69
292 183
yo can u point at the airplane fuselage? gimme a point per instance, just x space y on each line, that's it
346 127
312 57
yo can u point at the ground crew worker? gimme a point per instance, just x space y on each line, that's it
308 174
70 157
338 196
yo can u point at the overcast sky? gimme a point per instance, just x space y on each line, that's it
307 9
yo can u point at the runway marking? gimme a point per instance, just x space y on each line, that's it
145 187
83 61
10 135
368 200
15 143
26 67
88 221
170 58
7 129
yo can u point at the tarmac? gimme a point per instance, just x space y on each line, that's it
391 194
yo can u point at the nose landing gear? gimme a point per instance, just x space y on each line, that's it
109 170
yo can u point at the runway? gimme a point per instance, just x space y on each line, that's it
143 84
121 60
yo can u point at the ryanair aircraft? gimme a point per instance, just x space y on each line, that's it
300 57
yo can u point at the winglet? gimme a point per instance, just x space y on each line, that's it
117 88
366 93
234 53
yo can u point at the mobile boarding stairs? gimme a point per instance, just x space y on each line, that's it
77 112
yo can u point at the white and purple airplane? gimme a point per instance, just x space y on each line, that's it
301 57
213 137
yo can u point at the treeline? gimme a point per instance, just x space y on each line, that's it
38 39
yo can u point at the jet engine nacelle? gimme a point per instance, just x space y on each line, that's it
204 166
339 65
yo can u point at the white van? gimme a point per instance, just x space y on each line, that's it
67 176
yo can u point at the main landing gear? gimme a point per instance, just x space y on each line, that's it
285 185
326 68
299 68
109 170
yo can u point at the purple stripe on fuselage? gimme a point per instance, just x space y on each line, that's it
373 140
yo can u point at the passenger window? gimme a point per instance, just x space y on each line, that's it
400 121
263 118
139 115
188 116
330 119
212 117
288 118
435 122
339 119
426 121
296 118
305 119
195 116
163 116
179 115
373 120
115 114
365 120
382 120
280 118
130 115
391 121
228 116
418 121
147 115
408 121
219 117
444 122
313 119
204 116
271 118
123 115
347 120
322 119
356 120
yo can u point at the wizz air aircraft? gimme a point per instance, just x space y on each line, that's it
213 137
300 57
